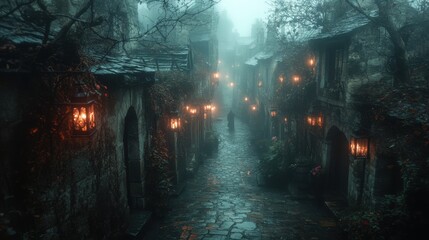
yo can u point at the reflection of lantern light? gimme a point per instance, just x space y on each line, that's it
359 147
83 111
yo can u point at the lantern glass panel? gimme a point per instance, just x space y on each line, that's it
359 147
83 118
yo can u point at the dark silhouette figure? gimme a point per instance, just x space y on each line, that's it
231 120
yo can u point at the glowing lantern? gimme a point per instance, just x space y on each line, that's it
273 113
253 107
281 79
285 120
246 99
83 109
216 75
175 121
207 107
311 62
359 147
193 111
260 84
231 84
296 78
315 120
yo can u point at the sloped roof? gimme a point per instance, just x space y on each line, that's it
16 31
350 22
120 65
167 60
253 61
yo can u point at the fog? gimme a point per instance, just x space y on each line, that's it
244 12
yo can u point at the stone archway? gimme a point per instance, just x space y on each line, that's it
338 163
135 190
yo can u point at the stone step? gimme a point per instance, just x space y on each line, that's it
137 222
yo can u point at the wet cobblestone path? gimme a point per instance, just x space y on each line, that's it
224 201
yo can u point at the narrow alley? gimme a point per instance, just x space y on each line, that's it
223 199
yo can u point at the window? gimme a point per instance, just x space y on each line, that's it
332 70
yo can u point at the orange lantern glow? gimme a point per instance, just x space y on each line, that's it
216 75
296 78
273 113
207 107
313 120
175 121
281 79
83 110
359 147
253 107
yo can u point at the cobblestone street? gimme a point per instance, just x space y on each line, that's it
223 200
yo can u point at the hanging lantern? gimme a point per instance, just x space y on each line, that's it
216 75
246 99
83 109
285 120
359 147
253 107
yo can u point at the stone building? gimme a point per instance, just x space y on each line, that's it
78 121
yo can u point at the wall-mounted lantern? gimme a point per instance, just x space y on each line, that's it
83 109
314 120
359 147
174 121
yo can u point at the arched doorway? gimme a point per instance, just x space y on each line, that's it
132 161
338 163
